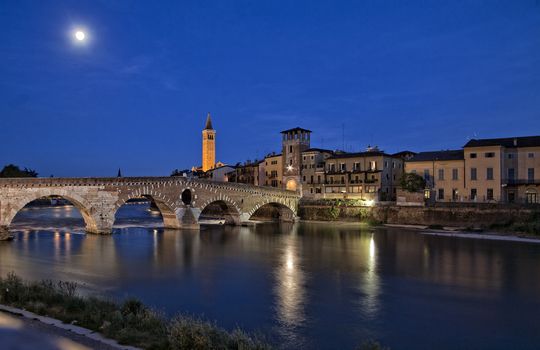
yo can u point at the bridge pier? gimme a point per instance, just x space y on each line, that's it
188 217
5 235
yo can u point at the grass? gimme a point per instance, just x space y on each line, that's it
129 322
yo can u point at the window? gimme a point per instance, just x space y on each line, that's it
511 173
489 154
319 179
372 165
473 155
473 174
530 155
441 194
356 166
454 174
489 195
473 193
426 174
510 156
342 167
385 164
530 174
342 180
441 174
489 174
290 149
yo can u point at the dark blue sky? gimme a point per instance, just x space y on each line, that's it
399 74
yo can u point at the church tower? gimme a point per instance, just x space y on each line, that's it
208 145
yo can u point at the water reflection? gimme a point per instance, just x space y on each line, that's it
308 285
290 280
369 283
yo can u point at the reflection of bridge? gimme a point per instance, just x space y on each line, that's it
180 200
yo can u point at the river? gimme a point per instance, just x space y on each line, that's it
303 285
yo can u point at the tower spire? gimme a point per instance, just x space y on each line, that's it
208 125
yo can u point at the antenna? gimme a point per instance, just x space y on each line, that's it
343 136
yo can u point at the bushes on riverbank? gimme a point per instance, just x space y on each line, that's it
129 322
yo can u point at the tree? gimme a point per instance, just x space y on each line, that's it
11 170
412 182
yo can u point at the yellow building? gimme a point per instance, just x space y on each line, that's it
503 169
486 170
444 172
273 170
208 145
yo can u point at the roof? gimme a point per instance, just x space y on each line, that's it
295 129
273 155
317 150
359 154
208 125
398 154
509 142
223 166
438 155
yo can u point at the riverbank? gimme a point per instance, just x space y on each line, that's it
517 220
129 323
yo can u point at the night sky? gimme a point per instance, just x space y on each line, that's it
423 75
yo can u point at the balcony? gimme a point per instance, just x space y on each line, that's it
517 182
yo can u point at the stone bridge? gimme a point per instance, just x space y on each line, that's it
181 201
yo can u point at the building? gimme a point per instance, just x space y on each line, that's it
272 170
219 173
503 169
247 173
294 142
486 170
371 175
208 145
313 174
444 172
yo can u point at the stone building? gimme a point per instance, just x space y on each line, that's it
313 174
272 170
294 142
208 145
444 172
371 175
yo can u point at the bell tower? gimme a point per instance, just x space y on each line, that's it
208 145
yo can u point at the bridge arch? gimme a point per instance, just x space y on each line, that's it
82 205
221 207
165 205
273 210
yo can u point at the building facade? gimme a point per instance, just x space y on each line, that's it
486 170
247 173
444 173
504 169
294 142
208 145
273 171
313 171
372 175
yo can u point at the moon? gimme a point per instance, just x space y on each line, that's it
80 35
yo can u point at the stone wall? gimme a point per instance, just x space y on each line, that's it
457 216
